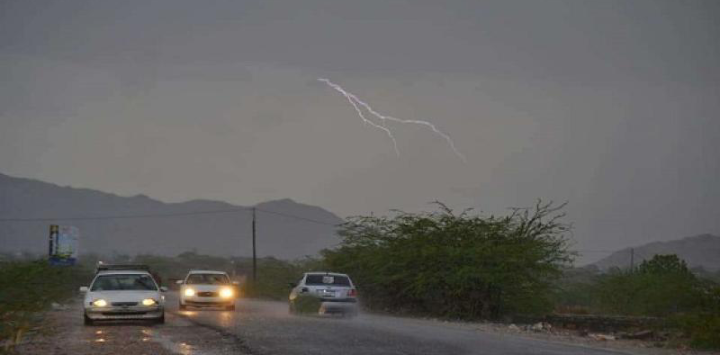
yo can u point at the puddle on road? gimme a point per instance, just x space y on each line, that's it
166 342
109 337
177 337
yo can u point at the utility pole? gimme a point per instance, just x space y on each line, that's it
632 259
254 271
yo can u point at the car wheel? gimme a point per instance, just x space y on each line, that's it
230 307
161 320
181 306
87 320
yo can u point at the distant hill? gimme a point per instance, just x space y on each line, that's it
310 230
698 251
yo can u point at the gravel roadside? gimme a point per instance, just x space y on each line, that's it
564 336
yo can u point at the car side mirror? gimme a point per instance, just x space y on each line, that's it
292 284
84 289
179 282
163 289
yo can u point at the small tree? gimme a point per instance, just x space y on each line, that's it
661 286
455 264
663 265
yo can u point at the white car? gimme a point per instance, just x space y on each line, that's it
336 292
123 294
203 288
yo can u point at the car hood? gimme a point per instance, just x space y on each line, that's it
122 296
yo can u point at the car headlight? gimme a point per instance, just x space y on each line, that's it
189 292
148 302
226 293
99 303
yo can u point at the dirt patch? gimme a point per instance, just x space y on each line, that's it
593 340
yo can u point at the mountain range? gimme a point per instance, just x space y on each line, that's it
139 224
700 251
112 224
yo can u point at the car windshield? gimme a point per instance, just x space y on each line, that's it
314 280
208 279
124 282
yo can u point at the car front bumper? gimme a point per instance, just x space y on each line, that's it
119 313
207 301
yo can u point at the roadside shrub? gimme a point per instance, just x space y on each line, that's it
664 287
576 291
703 325
661 286
29 287
455 265
702 329
275 276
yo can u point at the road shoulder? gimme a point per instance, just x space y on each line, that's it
62 332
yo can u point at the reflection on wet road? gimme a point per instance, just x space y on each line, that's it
267 328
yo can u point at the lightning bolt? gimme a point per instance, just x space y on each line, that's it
357 103
350 98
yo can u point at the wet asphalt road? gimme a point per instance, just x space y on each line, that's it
267 328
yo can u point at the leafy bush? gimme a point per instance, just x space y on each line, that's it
28 287
661 286
702 325
455 265
576 290
702 329
275 276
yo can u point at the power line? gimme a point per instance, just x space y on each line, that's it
298 217
163 215
131 216
595 251
194 213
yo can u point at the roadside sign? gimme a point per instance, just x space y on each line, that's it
63 244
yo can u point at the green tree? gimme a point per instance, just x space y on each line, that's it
664 265
660 286
457 265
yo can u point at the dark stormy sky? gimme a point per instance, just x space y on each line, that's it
613 106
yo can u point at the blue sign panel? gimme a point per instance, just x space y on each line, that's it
63 245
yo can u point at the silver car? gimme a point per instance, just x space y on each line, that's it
336 292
